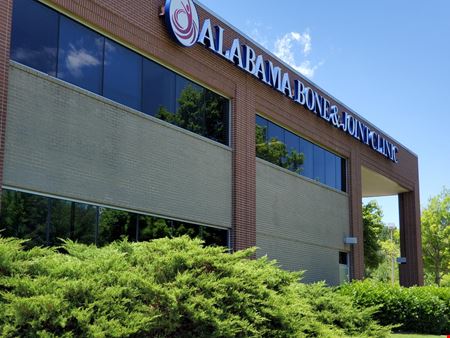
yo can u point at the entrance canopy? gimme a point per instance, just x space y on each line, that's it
375 184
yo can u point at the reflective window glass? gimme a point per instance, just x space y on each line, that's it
340 174
261 129
45 221
275 132
319 164
294 159
158 89
34 37
216 117
183 228
291 141
189 109
153 227
330 169
24 216
190 113
60 218
80 56
261 137
306 148
276 146
122 75
72 220
115 224
214 236
309 159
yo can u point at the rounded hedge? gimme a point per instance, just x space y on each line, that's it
165 288
424 309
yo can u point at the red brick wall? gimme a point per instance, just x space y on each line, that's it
410 239
356 228
244 171
5 33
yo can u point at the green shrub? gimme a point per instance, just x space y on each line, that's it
338 310
164 288
416 309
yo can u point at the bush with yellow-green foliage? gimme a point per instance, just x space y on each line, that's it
165 288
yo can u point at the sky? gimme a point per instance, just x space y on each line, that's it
388 60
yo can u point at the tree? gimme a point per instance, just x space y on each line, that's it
390 249
436 236
372 231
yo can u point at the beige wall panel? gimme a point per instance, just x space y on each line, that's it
301 223
65 141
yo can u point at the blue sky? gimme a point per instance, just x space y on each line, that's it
387 60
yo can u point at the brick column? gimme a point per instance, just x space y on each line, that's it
5 33
244 170
411 273
356 226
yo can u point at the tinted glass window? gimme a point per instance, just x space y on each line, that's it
158 89
275 150
319 164
291 141
24 216
306 148
340 174
182 228
80 56
294 162
275 131
153 227
76 221
34 38
60 217
261 136
122 75
297 154
115 224
44 221
213 236
189 106
216 117
181 102
261 125
330 169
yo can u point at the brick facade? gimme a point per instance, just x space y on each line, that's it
137 25
5 33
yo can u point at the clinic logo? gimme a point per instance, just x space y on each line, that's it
182 20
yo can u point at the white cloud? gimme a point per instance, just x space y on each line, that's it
306 68
258 32
285 49
294 48
78 59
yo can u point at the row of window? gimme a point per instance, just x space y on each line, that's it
54 44
45 220
281 147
